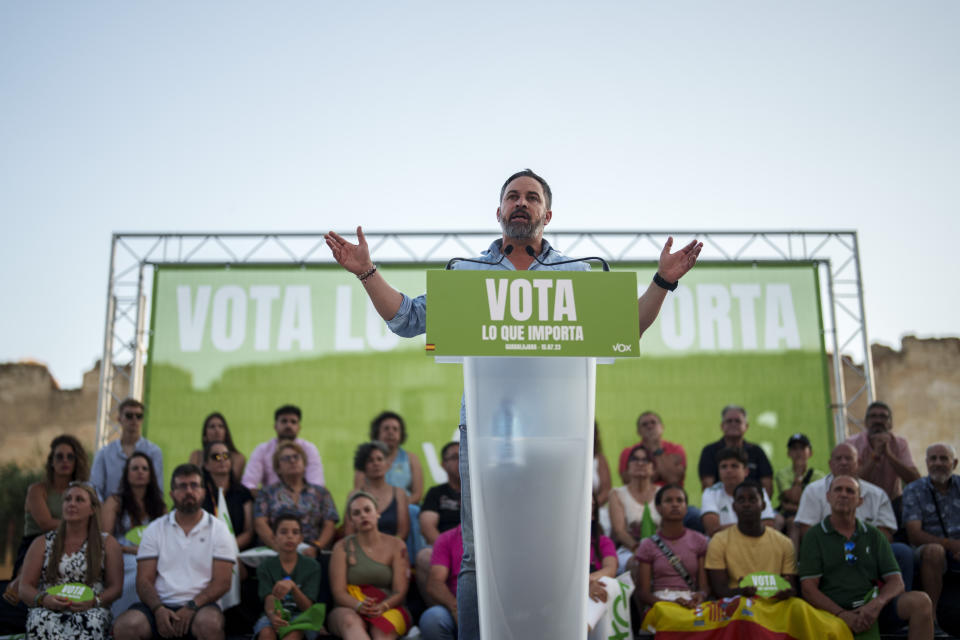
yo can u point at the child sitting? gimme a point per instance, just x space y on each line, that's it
289 582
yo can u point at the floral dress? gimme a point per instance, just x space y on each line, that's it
92 624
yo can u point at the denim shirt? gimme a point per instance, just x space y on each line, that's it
411 318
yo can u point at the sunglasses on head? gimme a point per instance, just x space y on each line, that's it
130 415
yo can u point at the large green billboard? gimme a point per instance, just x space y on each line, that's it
245 340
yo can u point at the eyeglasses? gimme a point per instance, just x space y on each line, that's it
130 415
848 555
290 457
59 457
183 486
220 457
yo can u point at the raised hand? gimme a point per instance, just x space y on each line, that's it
673 266
355 258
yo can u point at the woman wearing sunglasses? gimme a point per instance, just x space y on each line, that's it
318 513
218 475
66 462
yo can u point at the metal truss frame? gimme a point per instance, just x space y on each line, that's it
134 255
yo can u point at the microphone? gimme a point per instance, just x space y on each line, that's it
533 255
507 250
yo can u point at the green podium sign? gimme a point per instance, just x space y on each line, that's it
532 313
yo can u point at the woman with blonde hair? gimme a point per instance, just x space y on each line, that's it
72 575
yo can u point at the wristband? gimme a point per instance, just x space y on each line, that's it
366 274
38 599
664 284
97 600
359 604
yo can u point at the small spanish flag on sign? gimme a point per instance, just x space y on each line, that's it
431 347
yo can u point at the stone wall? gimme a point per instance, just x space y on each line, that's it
34 410
921 383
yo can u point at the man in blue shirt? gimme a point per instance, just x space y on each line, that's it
931 516
108 463
524 211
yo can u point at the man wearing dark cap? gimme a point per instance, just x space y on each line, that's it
790 481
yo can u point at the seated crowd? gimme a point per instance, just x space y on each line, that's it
869 545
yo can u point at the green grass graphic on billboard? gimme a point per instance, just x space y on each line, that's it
244 341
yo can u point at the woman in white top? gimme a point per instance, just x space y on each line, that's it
628 503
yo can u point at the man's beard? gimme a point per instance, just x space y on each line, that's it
287 435
187 508
521 229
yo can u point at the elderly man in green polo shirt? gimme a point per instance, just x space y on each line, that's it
843 559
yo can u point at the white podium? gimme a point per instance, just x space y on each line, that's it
530 431
530 342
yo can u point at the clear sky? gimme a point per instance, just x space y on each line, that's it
408 115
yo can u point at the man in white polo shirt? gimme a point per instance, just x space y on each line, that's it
184 566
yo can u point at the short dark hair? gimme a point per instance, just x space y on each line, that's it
365 450
528 173
732 453
443 452
130 402
183 470
286 515
658 498
286 409
733 407
881 405
749 483
385 415
650 413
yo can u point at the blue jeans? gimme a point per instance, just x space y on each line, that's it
904 555
468 614
436 623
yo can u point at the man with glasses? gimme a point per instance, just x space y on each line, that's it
842 562
108 464
184 566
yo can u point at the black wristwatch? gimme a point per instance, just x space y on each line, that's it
664 284
191 605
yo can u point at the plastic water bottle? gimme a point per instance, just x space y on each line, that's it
507 435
